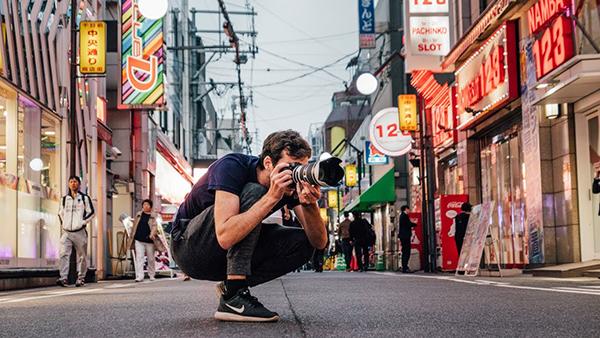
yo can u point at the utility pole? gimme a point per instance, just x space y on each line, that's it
73 96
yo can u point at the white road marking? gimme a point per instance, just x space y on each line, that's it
18 300
504 285
115 286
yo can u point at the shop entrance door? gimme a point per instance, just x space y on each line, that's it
591 168
502 182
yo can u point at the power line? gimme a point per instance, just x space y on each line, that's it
316 69
323 37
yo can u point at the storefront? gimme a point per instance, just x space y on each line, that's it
568 94
31 176
490 150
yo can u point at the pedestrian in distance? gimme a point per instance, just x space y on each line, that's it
405 235
346 242
460 225
143 235
76 211
218 234
359 232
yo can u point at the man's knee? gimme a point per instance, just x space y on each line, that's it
251 193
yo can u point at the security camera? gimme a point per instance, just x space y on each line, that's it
115 152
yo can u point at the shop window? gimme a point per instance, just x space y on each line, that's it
588 16
38 171
8 179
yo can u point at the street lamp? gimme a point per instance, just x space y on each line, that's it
153 9
366 83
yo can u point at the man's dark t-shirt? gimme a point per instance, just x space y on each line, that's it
229 173
142 232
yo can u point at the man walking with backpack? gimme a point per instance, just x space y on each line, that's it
75 213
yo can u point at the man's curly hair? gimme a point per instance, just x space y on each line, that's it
288 140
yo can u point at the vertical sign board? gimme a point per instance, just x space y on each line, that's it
475 237
332 198
351 175
366 24
407 108
142 59
92 47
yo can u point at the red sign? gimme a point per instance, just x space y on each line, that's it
416 240
443 118
487 79
553 35
449 207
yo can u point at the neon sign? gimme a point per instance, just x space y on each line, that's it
553 35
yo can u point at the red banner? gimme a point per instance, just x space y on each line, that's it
416 240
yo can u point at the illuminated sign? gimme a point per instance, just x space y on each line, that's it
428 6
332 198
487 79
442 122
407 110
323 213
351 175
92 47
142 59
385 133
430 35
553 34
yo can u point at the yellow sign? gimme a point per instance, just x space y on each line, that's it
332 199
324 214
351 175
92 47
407 108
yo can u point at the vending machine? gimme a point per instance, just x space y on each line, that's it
446 208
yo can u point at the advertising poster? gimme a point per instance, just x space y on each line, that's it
475 237
430 35
530 137
449 208
416 241
142 59
374 156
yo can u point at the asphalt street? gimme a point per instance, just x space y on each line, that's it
335 304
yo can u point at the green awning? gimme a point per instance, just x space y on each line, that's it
379 193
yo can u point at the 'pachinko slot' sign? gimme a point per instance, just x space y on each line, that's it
142 59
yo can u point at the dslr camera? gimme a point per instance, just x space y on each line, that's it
325 172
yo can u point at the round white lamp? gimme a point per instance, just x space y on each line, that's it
36 164
153 9
366 83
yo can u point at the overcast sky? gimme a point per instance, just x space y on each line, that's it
312 32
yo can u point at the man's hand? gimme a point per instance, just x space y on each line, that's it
308 194
281 180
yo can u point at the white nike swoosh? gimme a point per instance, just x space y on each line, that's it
240 310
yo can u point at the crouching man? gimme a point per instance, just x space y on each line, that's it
218 234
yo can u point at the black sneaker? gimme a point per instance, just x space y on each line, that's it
243 307
62 282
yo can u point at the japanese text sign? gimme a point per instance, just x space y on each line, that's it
366 23
351 175
332 198
407 109
92 47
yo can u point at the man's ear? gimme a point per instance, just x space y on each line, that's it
268 163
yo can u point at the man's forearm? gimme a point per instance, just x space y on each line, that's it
314 227
239 226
